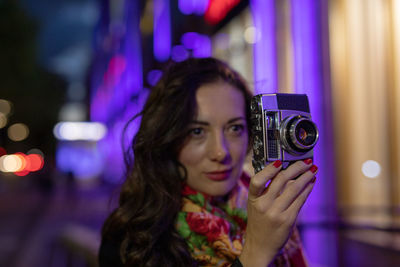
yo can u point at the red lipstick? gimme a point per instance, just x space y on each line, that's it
219 175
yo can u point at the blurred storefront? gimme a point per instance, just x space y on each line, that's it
342 54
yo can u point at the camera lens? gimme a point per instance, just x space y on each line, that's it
305 132
298 134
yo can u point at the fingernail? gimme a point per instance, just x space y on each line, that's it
307 161
313 179
313 169
277 163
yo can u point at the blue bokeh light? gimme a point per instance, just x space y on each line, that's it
82 159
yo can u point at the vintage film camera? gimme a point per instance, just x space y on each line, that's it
282 129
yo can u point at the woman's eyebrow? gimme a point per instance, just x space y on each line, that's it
236 119
229 121
199 122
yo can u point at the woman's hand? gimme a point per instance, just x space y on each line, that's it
272 210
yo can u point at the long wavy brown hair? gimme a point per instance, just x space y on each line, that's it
144 223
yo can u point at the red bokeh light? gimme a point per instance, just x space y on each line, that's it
2 151
21 173
35 162
116 68
218 9
21 164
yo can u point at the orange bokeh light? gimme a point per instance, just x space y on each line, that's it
23 160
21 164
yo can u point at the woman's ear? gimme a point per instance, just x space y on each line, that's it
182 171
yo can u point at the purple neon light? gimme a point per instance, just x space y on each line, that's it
127 93
162 30
111 145
186 7
321 245
179 53
117 70
197 7
199 44
153 77
126 68
189 40
83 160
133 81
203 47
99 97
265 66
118 92
306 56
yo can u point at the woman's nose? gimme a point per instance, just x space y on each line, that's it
218 148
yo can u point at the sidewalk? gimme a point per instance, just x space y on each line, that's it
34 226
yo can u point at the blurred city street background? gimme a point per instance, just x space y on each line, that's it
73 72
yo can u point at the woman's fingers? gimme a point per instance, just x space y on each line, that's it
281 180
258 181
293 190
272 211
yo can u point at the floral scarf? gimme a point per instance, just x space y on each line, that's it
214 228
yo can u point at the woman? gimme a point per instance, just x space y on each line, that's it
184 200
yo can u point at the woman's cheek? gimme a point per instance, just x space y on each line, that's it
193 153
240 146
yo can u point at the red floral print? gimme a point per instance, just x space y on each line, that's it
207 224
187 191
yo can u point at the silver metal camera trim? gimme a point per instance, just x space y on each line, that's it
292 134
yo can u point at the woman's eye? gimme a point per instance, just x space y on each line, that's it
196 132
237 128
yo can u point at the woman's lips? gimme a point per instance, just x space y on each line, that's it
219 175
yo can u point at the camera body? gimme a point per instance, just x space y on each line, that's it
282 129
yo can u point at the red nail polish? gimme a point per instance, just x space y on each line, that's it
313 169
307 161
277 163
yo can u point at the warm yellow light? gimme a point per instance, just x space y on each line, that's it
396 13
5 107
1 163
18 132
21 158
252 35
11 163
3 120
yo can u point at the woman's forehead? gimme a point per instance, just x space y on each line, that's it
219 100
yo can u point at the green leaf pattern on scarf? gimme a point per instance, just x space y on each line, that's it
199 244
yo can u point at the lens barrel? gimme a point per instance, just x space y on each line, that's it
298 134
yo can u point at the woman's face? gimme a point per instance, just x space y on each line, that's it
215 149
